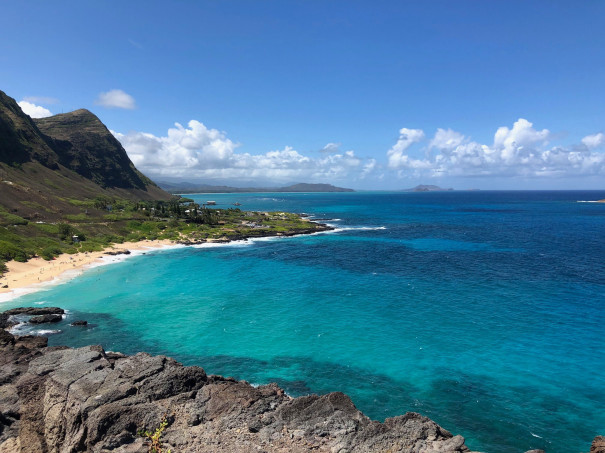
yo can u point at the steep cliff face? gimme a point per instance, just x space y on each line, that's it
20 139
86 399
47 162
84 145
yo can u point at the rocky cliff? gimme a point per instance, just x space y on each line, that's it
58 399
87 399
84 145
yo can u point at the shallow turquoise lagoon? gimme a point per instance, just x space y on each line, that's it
482 310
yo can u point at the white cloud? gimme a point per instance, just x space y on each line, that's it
446 139
518 141
33 110
368 168
594 141
407 137
197 152
117 99
518 151
331 148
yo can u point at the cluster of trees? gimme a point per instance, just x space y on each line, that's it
178 208
182 208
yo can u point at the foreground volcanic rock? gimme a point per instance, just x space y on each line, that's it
58 399
66 400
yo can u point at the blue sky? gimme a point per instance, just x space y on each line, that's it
369 95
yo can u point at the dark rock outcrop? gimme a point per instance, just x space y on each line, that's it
35 311
44 319
6 321
118 252
62 399
79 323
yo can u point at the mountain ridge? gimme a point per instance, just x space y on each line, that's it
188 187
46 163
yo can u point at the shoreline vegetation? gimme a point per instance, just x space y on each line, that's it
33 253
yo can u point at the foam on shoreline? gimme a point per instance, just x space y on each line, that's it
38 274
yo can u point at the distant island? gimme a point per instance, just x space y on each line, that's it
427 188
188 187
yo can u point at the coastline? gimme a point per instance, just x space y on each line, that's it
35 274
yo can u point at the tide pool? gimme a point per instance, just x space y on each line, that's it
481 310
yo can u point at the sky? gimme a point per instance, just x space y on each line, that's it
371 95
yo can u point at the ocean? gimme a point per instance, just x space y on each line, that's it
482 310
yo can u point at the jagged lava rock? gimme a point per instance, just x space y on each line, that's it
62 399
43 319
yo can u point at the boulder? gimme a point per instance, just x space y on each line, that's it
43 319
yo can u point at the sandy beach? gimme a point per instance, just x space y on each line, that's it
29 275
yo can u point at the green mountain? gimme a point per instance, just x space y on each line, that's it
188 187
47 165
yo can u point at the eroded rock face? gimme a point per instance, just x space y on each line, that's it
44 319
60 399
66 400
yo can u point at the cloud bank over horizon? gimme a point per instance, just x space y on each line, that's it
197 152
519 151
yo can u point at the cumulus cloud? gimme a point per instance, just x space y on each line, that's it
33 110
594 141
116 99
518 151
397 154
196 151
446 139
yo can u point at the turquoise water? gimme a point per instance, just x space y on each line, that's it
482 310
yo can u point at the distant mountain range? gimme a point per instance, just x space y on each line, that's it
47 163
426 188
187 187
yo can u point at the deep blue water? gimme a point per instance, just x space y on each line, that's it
482 310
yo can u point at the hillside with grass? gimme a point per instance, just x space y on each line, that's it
67 185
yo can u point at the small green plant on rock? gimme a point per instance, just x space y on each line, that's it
154 438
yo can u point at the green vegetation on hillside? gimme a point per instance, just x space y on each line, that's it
128 221
67 185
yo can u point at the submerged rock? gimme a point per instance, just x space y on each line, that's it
79 323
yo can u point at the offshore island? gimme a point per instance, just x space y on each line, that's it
70 196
